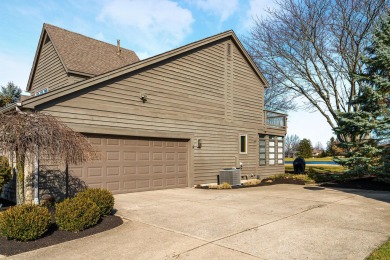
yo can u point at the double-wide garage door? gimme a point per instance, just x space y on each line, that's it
129 164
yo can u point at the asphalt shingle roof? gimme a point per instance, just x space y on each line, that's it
85 55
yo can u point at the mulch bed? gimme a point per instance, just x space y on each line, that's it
367 183
55 236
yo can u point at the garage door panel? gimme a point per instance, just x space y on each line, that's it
143 156
128 164
113 171
113 156
182 181
113 186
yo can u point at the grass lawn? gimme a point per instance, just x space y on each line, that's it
324 159
381 253
318 168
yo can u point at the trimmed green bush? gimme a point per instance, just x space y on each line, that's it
102 197
24 222
76 214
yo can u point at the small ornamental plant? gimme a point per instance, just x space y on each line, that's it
24 222
76 214
102 197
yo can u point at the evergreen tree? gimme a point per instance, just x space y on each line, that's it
305 149
9 94
333 149
368 128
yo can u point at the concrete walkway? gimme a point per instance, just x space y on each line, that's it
273 222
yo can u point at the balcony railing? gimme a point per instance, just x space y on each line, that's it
275 119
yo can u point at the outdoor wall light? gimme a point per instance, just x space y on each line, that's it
197 143
144 98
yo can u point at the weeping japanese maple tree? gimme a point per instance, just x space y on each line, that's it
29 136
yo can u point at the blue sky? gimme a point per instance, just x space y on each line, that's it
147 27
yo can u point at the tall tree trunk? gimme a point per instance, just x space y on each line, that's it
66 180
19 181
36 178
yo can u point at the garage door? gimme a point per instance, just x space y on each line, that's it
129 164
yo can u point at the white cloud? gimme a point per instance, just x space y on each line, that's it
221 8
153 26
15 68
258 8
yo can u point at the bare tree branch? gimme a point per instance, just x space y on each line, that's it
314 48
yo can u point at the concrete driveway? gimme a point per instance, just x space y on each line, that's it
273 222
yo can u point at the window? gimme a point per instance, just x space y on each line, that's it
280 151
243 144
41 92
271 149
262 150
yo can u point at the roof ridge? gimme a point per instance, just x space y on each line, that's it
45 24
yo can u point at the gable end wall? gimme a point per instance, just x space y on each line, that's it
50 72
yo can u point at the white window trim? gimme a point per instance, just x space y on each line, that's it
246 143
41 91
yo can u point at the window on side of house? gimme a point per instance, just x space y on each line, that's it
41 92
271 149
243 144
262 150
280 150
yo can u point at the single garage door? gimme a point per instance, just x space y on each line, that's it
129 164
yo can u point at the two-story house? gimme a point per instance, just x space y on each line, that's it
173 120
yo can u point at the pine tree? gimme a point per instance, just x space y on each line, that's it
305 149
368 130
9 94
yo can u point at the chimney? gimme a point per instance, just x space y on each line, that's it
118 43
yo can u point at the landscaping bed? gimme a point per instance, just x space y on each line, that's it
300 179
28 226
54 236
331 180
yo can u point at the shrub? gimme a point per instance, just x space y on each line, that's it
222 186
252 182
24 222
76 214
5 171
289 178
102 197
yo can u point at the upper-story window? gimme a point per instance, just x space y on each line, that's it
243 144
41 92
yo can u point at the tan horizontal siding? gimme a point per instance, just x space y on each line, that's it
265 171
190 95
49 73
